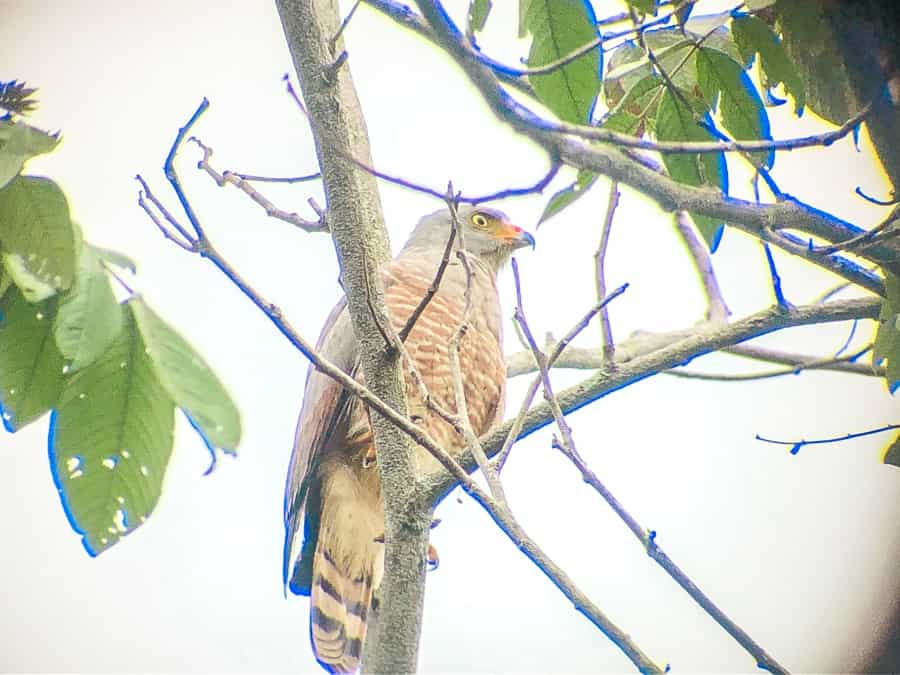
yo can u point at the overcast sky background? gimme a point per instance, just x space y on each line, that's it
801 551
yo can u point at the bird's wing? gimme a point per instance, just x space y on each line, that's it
326 407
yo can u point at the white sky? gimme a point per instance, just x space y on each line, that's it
801 551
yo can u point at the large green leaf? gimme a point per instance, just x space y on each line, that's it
887 341
35 225
568 195
31 367
18 143
676 121
190 382
742 110
89 316
559 27
110 441
752 35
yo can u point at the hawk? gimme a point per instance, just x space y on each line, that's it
333 486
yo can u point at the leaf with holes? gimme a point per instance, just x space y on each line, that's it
20 142
753 36
110 441
89 317
739 104
190 382
31 367
35 225
887 340
676 121
559 27
568 195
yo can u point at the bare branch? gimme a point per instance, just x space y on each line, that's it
459 393
796 445
276 179
809 364
716 309
244 185
644 343
515 428
600 272
431 290
648 541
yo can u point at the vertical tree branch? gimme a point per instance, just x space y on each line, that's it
600 264
357 226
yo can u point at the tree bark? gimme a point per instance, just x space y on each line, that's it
357 226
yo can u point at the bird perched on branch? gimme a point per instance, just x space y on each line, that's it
333 485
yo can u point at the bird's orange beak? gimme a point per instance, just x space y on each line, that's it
515 235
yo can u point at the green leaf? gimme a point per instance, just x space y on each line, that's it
752 36
478 15
31 367
110 442
89 316
559 27
20 142
637 109
190 382
568 195
672 50
35 224
675 121
742 110
887 340
891 454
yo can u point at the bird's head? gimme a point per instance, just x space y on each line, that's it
488 233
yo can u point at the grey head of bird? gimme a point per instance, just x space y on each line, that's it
487 234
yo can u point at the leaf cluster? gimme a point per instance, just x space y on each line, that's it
111 373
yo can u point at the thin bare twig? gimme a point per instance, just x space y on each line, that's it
244 185
344 24
544 370
290 180
600 272
535 188
716 309
453 353
648 541
516 426
431 290
813 364
796 445
866 238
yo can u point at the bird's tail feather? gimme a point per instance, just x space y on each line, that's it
339 605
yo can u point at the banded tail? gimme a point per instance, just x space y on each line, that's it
338 609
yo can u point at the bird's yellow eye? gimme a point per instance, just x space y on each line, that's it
479 220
